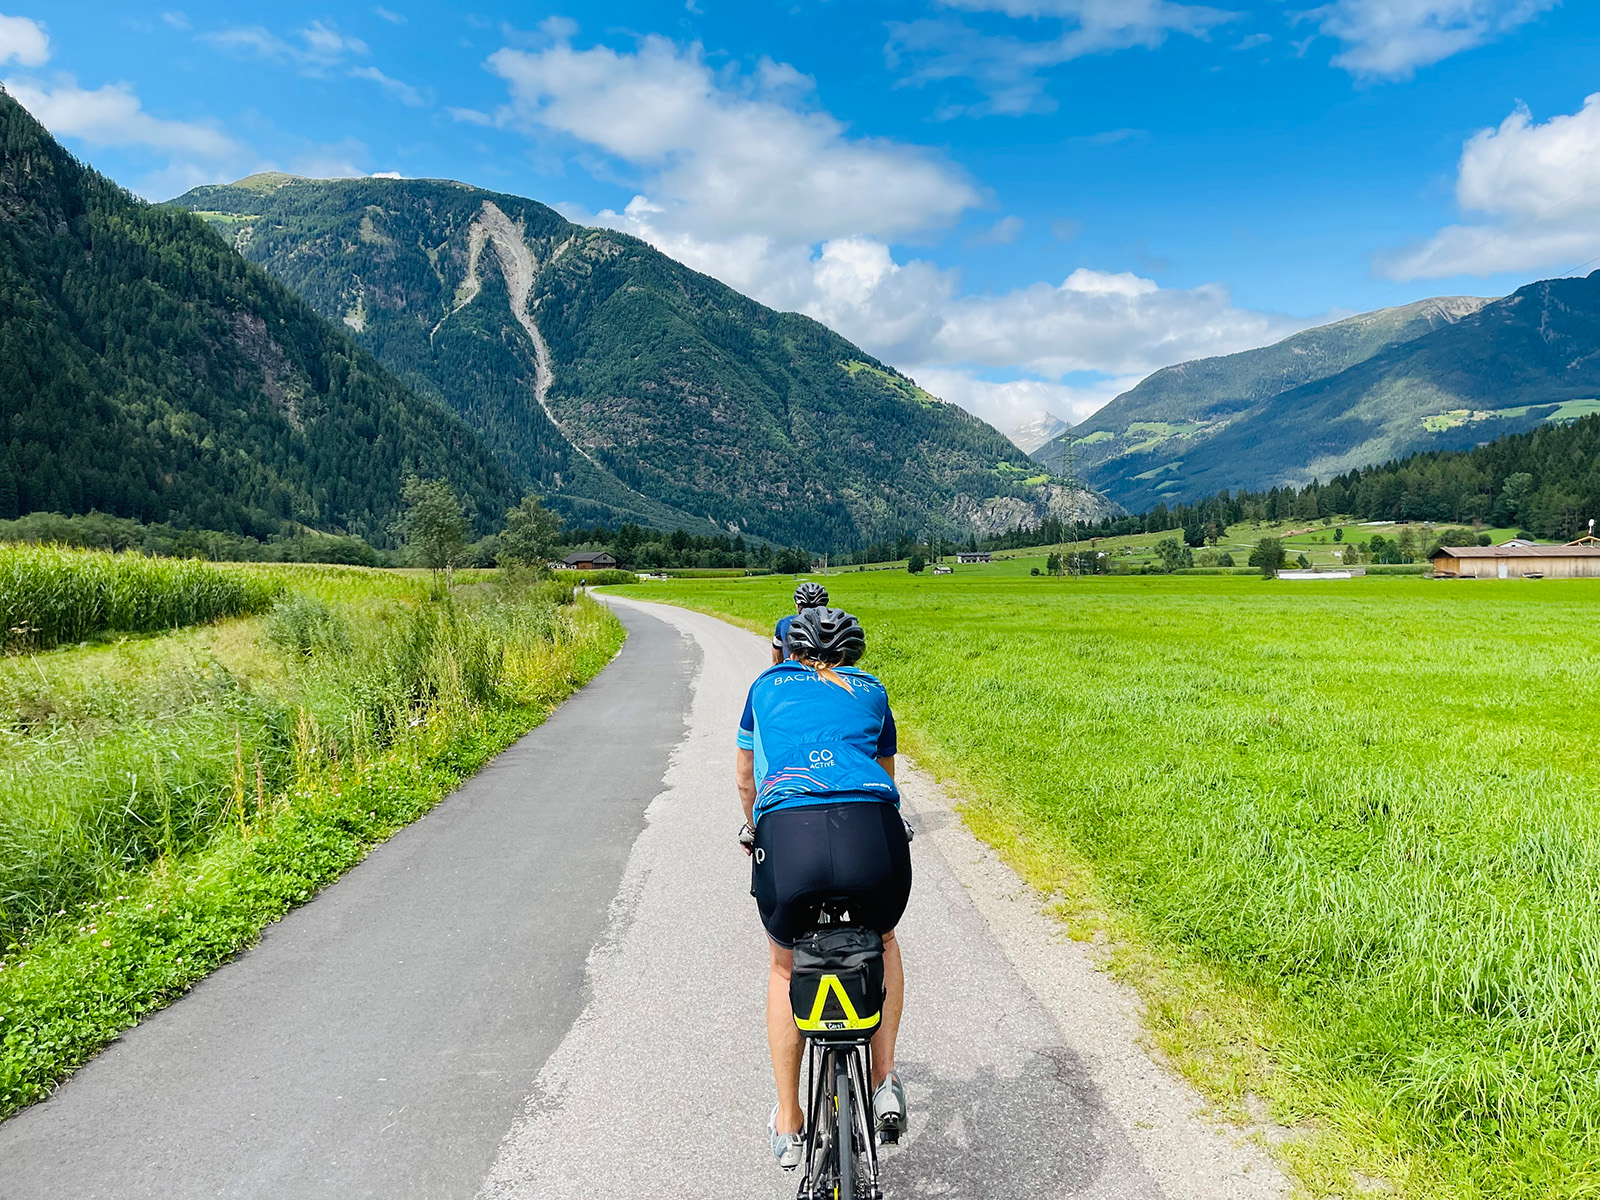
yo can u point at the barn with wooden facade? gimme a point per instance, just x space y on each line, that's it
1519 560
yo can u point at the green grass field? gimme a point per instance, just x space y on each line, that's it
1347 837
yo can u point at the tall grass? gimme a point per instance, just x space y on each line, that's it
51 594
112 758
1373 814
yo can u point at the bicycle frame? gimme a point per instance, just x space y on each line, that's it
827 1062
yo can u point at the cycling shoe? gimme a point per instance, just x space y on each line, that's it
889 1110
787 1148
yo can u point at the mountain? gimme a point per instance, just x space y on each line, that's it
147 371
1227 422
1038 429
620 383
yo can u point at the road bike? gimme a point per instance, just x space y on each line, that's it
836 994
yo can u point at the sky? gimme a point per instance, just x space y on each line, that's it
1026 205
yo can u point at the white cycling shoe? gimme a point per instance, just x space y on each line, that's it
787 1148
889 1110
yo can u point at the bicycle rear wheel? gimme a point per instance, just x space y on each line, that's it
844 1140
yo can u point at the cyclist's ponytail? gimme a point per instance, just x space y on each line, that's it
827 672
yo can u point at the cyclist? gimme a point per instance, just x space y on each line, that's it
816 777
807 595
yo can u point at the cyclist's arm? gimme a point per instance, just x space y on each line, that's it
777 655
745 776
888 743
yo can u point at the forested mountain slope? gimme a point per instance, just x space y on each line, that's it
146 370
620 382
1157 441
1546 481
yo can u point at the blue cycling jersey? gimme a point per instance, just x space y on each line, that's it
816 742
780 635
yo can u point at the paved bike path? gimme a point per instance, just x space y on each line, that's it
551 989
1022 1061
379 1041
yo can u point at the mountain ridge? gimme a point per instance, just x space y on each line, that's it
148 371
1176 413
610 376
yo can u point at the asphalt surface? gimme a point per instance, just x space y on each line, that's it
1022 1061
552 988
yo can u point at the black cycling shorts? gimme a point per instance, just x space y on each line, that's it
805 856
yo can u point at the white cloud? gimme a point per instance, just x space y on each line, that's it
110 116
1002 233
1392 38
113 116
739 176
319 50
1010 403
402 92
388 15
1009 70
736 154
1119 324
1537 185
316 47
23 42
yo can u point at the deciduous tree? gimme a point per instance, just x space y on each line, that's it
434 525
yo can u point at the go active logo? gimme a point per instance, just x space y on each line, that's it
822 758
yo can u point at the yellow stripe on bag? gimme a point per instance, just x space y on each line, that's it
815 1023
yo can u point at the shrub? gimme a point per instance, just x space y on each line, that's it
595 578
304 625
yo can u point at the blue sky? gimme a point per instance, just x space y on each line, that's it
1026 204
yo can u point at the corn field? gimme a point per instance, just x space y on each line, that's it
50 595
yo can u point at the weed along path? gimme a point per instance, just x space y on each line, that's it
379 1040
552 989
1022 1061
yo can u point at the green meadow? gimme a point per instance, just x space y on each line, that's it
1344 836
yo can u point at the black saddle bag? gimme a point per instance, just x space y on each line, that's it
836 988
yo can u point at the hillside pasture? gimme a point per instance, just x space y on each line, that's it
1347 839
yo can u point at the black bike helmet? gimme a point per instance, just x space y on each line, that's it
826 635
810 595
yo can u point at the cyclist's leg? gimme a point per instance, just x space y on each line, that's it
791 868
783 1040
894 1001
873 860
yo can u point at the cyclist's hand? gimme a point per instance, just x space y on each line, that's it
747 838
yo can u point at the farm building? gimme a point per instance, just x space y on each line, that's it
1519 560
589 560
973 556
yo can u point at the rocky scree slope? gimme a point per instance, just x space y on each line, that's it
147 371
621 383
